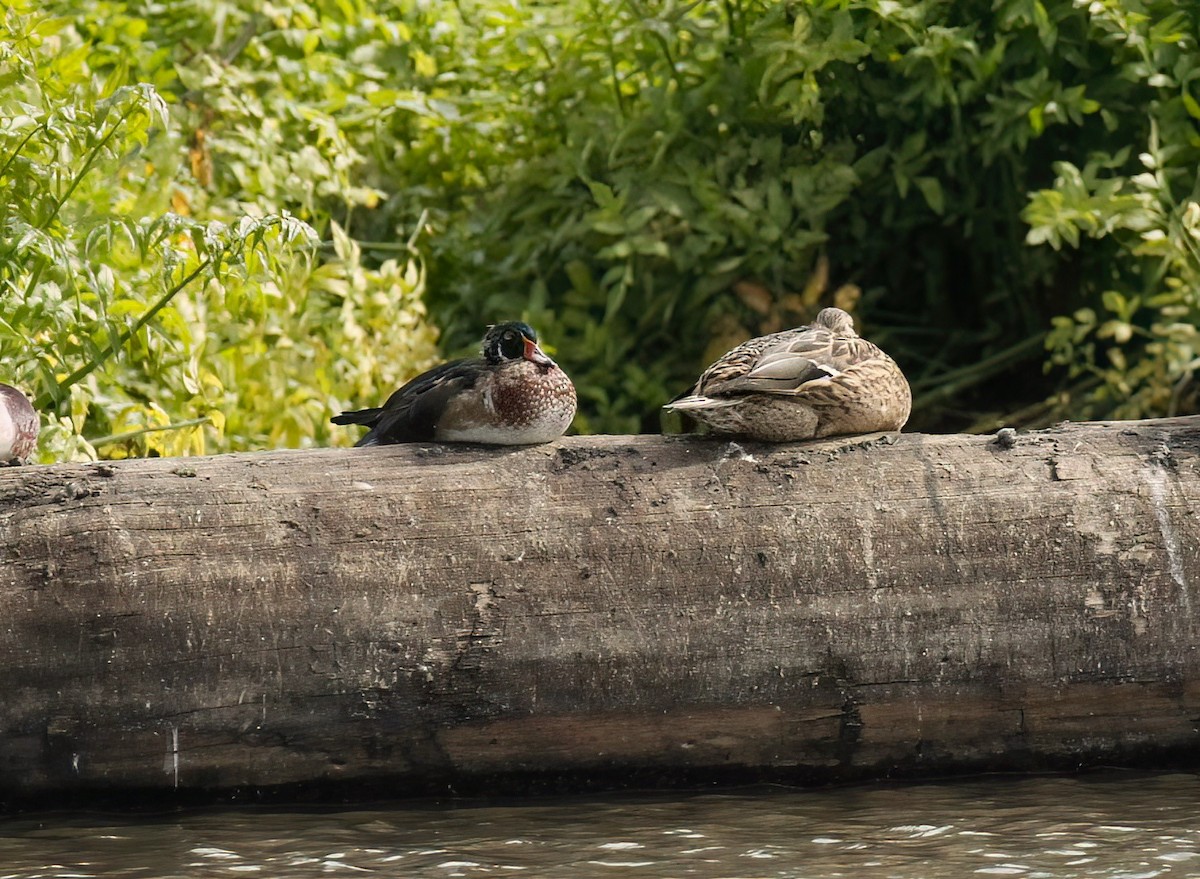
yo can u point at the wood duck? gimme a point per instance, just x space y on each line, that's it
511 395
18 426
814 381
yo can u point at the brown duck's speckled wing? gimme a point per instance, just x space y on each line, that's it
786 363
24 421
870 395
737 362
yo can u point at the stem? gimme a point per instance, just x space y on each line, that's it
4 170
950 383
34 276
122 437
47 399
1177 393
1035 415
87 166
241 41
612 66
21 146
730 16
420 227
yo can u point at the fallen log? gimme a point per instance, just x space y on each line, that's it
602 605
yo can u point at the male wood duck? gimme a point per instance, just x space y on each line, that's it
809 382
18 426
511 395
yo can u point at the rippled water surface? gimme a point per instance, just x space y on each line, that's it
1121 825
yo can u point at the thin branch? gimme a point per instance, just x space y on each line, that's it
48 399
21 146
87 167
950 383
133 434
418 229
249 29
1035 415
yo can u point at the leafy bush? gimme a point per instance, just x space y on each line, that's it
155 307
644 162
1135 191
645 182
651 182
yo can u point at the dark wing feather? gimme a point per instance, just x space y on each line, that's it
358 416
411 413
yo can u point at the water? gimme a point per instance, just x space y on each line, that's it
1124 826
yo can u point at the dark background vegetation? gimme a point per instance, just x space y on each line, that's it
235 222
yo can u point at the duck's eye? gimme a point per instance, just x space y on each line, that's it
511 345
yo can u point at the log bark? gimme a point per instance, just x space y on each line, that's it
602 605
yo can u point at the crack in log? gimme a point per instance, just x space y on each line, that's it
1157 479
482 635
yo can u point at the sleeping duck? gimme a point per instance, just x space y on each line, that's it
813 381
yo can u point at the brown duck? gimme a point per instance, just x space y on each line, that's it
18 426
814 381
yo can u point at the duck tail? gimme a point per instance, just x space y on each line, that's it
358 416
696 401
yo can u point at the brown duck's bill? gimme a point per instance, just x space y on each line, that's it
534 354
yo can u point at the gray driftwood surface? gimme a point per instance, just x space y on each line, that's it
840 609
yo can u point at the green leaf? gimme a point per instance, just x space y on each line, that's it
1191 105
931 189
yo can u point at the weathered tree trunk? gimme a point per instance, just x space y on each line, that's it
420 614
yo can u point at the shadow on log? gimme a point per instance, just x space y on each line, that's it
602 608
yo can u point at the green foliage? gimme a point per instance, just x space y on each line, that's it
156 307
644 161
646 181
1137 332
649 182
